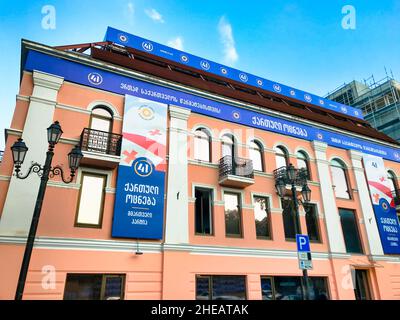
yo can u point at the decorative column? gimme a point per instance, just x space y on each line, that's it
177 220
21 196
371 227
332 219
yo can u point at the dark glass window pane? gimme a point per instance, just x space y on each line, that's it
203 288
362 290
288 288
228 287
232 214
203 211
113 288
83 287
318 288
312 222
266 289
262 217
291 221
350 231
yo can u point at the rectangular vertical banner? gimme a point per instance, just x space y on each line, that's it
139 198
383 203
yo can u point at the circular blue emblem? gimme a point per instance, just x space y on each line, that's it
292 92
307 97
344 109
95 78
385 205
224 71
236 115
277 87
123 38
321 102
204 64
147 45
243 77
259 82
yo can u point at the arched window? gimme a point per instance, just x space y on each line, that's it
339 179
392 181
281 156
101 119
256 155
303 163
228 145
202 145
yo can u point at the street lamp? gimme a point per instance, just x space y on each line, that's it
289 175
19 150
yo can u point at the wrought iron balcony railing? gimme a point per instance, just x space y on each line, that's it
101 142
396 197
300 174
240 167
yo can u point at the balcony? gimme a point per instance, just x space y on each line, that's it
396 198
100 148
235 172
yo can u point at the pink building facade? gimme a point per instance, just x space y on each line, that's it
224 235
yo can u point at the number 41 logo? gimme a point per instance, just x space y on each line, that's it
143 167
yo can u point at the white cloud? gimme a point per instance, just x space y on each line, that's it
176 43
130 11
226 36
154 15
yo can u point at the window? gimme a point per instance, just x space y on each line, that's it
91 200
220 287
350 231
312 222
303 163
101 119
202 145
262 217
362 290
256 155
94 287
203 211
228 145
233 223
291 221
281 156
339 179
292 288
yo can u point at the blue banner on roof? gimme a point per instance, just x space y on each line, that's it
157 49
109 81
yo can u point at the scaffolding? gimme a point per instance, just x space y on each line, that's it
378 100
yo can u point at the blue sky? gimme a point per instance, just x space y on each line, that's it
298 43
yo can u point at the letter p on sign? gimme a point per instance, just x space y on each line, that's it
303 243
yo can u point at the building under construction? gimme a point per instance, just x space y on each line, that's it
378 100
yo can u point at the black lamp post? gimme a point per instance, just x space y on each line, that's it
294 177
19 150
